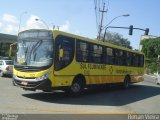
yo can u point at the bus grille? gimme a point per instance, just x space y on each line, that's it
30 68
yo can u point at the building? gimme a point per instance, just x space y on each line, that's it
5 41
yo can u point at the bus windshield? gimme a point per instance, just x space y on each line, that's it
34 52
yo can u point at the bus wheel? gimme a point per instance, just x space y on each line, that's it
126 83
77 87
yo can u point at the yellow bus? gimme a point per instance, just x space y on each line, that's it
54 60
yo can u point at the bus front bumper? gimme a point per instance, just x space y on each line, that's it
32 84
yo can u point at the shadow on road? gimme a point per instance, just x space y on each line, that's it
107 97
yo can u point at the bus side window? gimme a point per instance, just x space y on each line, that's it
64 51
82 51
135 60
96 52
118 57
124 58
129 59
121 58
141 61
109 56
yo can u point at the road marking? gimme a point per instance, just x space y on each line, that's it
70 111
80 112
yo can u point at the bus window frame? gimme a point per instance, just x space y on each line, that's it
80 52
60 63
109 57
99 59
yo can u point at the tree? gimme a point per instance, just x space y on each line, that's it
151 49
117 39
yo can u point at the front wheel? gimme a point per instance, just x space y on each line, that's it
77 87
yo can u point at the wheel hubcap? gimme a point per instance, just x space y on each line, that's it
75 87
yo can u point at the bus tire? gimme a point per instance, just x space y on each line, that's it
127 81
77 86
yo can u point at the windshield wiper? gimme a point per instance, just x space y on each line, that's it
34 48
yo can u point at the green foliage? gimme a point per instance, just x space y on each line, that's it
151 49
151 65
117 39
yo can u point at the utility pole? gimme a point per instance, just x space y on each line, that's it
101 23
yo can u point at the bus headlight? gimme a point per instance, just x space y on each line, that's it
44 77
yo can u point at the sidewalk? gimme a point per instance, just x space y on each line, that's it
151 75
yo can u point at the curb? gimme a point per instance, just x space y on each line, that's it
150 75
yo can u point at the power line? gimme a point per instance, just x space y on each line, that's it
100 10
101 22
95 3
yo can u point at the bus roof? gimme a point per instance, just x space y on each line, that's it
36 29
57 32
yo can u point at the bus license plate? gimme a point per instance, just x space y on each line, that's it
24 83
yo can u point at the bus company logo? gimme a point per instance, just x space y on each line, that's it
111 70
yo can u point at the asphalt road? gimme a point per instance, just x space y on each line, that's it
140 98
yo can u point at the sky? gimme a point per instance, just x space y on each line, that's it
78 16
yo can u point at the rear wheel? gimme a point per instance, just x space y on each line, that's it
126 83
